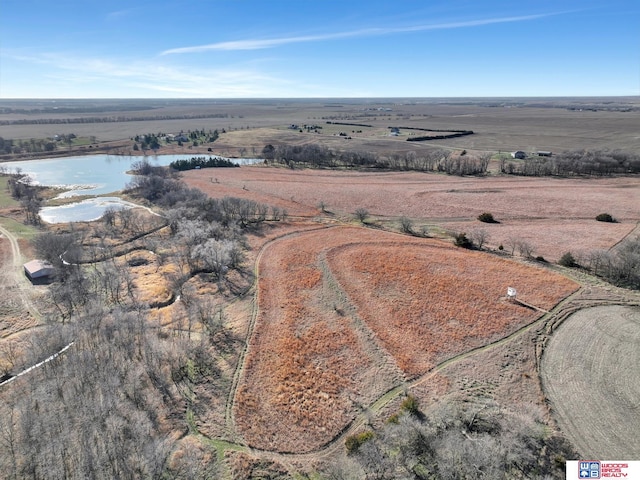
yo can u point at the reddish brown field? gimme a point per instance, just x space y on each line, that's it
553 215
428 302
346 313
309 364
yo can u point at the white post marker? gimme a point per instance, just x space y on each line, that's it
511 292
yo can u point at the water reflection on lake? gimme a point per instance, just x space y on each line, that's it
91 175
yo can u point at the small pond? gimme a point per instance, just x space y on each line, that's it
84 211
90 175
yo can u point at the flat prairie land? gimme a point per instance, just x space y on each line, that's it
553 215
590 374
499 124
344 314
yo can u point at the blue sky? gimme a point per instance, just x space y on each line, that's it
323 48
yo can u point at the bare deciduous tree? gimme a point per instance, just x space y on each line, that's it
361 214
525 249
479 237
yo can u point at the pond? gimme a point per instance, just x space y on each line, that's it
90 175
84 211
93 174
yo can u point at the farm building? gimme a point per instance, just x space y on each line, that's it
38 270
518 154
543 153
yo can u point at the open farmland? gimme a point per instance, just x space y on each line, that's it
553 215
345 313
590 374
499 124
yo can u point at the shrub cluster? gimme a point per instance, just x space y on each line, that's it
461 240
605 217
487 217
452 442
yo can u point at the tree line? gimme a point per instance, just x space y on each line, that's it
575 162
109 119
201 162
22 190
33 145
436 160
620 265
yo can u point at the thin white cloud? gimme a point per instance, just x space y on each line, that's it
111 16
257 44
122 75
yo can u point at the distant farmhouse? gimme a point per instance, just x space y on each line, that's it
543 153
519 154
38 270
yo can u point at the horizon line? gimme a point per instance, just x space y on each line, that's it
327 98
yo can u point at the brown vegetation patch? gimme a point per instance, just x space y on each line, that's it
309 365
244 466
312 360
429 302
150 279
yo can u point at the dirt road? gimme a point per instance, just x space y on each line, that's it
15 275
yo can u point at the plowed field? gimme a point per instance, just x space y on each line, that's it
590 373
346 313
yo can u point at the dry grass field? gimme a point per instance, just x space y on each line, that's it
590 374
346 313
428 302
553 215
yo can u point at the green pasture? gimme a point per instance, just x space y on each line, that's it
19 229
5 197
